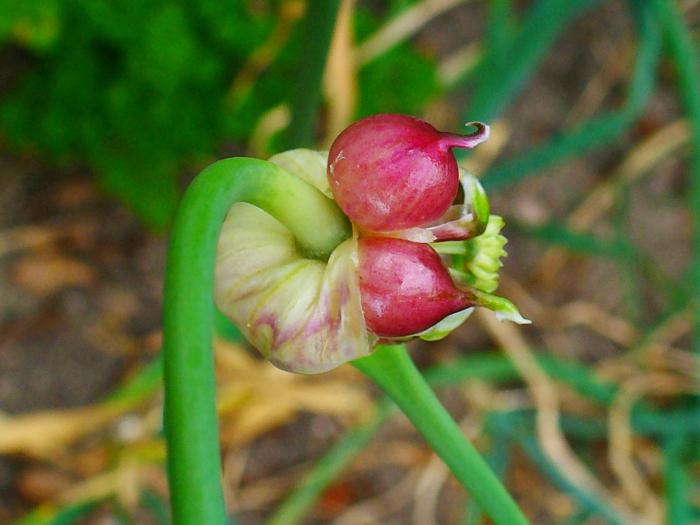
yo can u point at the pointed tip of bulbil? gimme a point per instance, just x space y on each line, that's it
470 140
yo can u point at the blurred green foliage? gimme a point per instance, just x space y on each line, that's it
401 80
136 89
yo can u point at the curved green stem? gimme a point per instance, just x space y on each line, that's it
191 430
393 370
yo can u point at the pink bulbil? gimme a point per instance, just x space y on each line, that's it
405 287
392 172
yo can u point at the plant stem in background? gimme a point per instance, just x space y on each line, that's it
599 130
393 370
498 458
496 369
686 58
500 81
194 466
317 30
328 468
532 448
678 484
500 25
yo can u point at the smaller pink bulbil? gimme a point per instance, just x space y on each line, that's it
405 287
392 172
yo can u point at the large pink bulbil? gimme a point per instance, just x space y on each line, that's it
405 288
391 172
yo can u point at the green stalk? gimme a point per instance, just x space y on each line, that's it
309 489
488 367
617 249
194 466
588 501
497 369
498 458
678 484
500 25
69 514
317 30
392 369
500 81
579 517
686 58
598 131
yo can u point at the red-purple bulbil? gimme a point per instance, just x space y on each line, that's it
404 286
392 172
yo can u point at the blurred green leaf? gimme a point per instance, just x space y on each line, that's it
399 81
497 82
157 507
34 24
678 483
68 515
142 384
598 131
685 54
557 234
136 90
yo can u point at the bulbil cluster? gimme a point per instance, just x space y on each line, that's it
396 179
395 173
